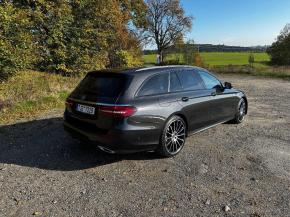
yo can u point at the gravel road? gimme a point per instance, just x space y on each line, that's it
229 170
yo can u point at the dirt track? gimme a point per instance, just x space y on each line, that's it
246 167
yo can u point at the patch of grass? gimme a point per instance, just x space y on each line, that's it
218 58
149 59
233 58
63 95
29 94
233 63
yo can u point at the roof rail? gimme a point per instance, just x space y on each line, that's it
160 67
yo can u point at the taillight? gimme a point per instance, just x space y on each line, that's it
68 104
118 111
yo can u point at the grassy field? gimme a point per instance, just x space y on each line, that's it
219 58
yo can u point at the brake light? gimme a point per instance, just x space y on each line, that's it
68 104
118 111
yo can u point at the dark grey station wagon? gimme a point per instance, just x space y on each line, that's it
150 109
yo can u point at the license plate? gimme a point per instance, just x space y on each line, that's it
85 109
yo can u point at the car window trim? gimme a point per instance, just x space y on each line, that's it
177 92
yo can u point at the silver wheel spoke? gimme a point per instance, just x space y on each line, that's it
171 129
178 144
175 147
180 139
181 130
179 127
169 143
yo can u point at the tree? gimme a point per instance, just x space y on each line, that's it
189 52
280 49
16 42
251 59
166 23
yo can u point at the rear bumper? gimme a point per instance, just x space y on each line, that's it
117 141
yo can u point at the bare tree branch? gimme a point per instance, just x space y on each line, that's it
166 21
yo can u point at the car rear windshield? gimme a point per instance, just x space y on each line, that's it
96 86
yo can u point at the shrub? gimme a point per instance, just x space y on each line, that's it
198 60
251 60
280 50
126 59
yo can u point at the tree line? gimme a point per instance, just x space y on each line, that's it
214 48
69 35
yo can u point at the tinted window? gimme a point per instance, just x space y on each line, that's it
190 80
175 84
158 84
209 80
100 85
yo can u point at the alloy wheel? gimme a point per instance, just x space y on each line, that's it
175 136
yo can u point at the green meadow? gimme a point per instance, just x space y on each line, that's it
218 58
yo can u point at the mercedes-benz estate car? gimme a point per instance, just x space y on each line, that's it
150 109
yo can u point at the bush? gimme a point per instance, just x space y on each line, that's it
198 60
126 59
280 50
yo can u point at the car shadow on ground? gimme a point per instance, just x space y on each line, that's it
44 144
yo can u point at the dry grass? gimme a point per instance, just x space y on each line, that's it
29 94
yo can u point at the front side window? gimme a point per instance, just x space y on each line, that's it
209 80
157 84
190 80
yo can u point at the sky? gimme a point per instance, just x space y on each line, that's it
237 22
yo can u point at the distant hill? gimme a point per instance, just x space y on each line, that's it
216 48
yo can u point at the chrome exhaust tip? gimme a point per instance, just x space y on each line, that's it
106 150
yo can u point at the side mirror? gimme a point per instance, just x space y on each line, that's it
228 85
219 88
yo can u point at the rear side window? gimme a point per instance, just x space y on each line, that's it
157 84
190 80
101 85
209 80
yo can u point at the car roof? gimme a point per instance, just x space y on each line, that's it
147 70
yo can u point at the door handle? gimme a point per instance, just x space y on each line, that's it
185 99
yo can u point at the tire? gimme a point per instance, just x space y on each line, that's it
241 112
173 137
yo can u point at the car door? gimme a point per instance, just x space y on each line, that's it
222 104
193 98
155 105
